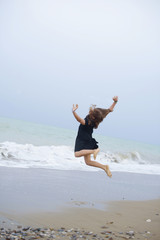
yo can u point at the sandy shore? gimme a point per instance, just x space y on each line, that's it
85 205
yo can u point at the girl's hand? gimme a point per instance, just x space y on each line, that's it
115 98
74 107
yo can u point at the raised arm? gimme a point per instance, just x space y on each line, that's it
115 99
78 118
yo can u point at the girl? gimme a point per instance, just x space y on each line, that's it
86 145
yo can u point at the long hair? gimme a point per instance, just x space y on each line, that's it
96 115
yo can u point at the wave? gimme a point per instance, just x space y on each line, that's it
62 157
124 158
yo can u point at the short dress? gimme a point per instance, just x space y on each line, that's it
84 138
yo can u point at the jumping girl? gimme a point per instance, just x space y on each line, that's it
86 145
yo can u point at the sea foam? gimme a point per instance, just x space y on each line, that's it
62 158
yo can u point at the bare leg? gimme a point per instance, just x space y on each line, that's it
89 162
95 153
108 171
86 152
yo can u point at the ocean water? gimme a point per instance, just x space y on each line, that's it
30 145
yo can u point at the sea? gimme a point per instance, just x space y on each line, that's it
31 145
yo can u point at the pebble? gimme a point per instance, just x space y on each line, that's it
130 233
110 222
94 235
88 233
19 226
26 229
29 233
148 220
104 227
106 233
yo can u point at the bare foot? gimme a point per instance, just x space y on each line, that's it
108 171
95 153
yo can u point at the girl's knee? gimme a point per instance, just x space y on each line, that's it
88 163
76 154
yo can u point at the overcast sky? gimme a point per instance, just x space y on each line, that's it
54 53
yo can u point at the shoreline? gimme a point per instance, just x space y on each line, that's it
78 203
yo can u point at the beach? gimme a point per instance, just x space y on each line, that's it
79 78
78 204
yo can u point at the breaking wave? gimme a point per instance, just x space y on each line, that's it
62 158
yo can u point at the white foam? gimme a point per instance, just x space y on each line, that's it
62 158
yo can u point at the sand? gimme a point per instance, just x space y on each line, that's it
87 201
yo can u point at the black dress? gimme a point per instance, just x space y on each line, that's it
84 138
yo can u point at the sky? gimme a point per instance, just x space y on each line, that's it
56 53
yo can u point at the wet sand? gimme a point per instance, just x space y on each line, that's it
126 206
